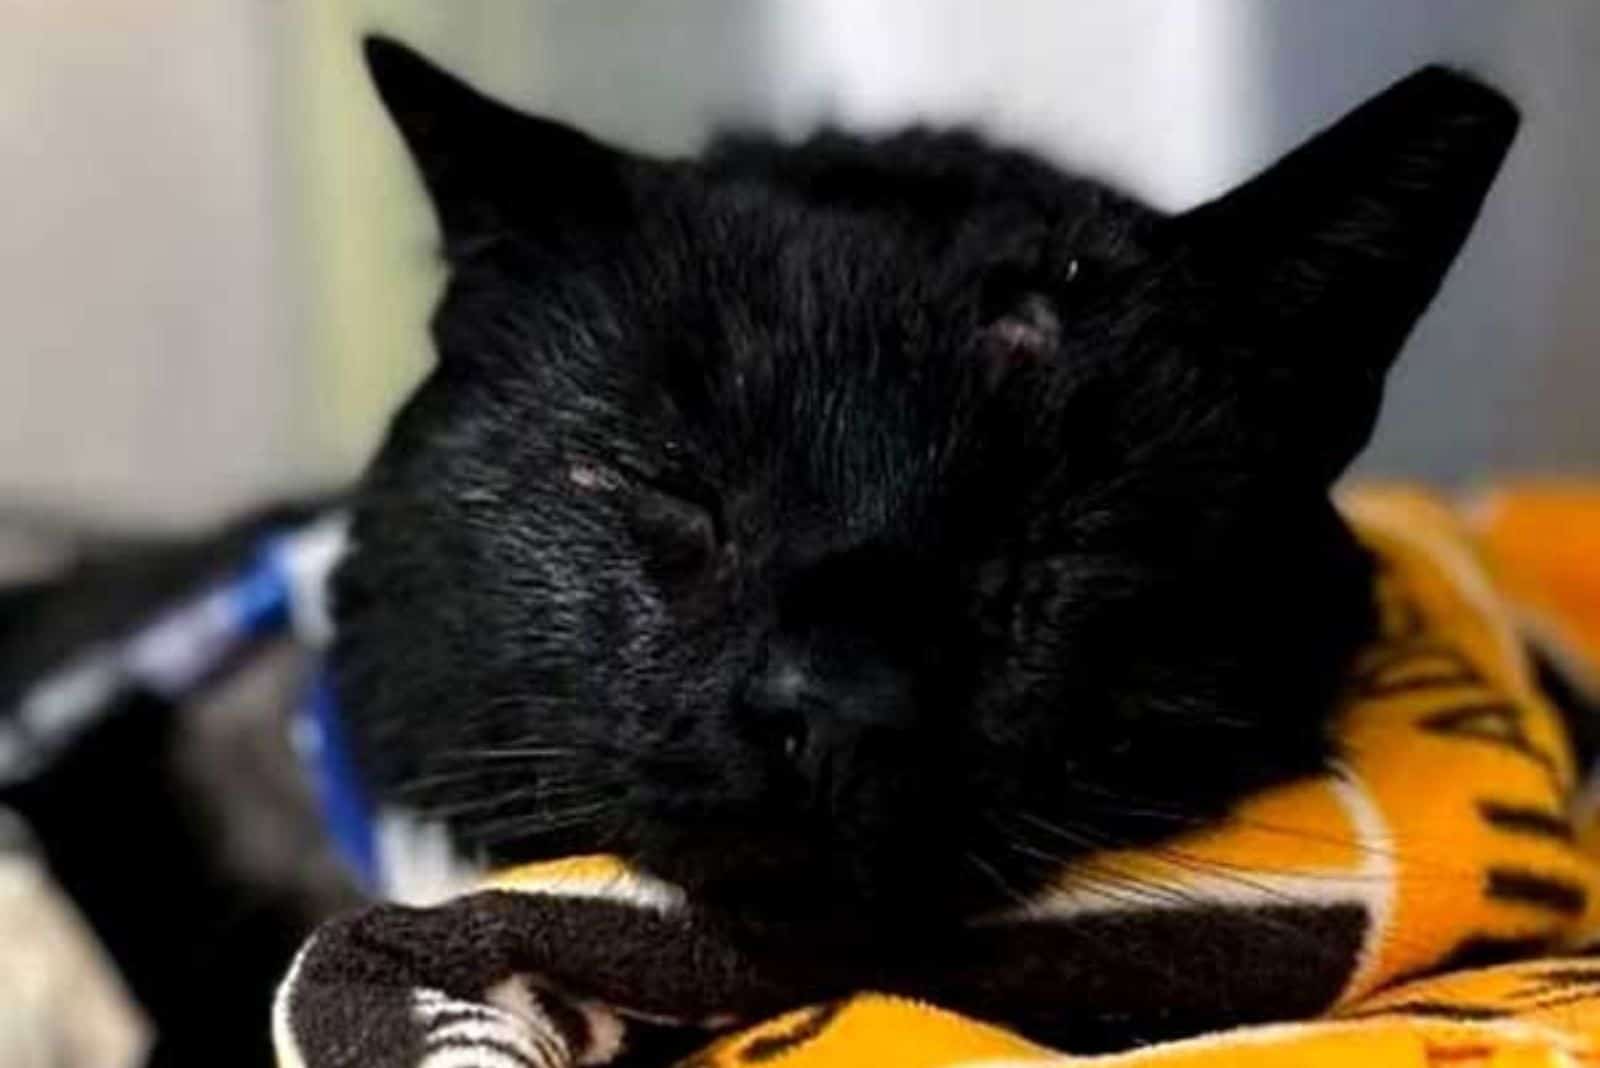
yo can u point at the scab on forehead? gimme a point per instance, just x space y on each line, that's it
1028 333
1033 328
593 478
1020 315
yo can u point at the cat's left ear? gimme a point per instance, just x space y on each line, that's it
1312 274
488 167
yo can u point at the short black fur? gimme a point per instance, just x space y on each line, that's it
850 530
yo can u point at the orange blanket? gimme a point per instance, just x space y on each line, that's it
1454 829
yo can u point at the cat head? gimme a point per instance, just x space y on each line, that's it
866 525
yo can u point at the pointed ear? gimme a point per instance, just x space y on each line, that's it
488 167
1313 273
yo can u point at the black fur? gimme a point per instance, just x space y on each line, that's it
851 529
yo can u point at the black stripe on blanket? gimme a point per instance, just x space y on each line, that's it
1539 891
380 987
1521 819
355 997
1176 971
1433 1010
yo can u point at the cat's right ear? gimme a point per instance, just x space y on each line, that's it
489 168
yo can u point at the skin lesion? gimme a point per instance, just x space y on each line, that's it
593 478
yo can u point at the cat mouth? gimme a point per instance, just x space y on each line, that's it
872 832
793 866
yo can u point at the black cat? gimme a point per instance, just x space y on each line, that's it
838 529
847 531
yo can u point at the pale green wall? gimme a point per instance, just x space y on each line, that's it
369 263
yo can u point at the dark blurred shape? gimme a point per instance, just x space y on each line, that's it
185 833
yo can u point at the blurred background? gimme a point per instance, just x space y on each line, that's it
215 268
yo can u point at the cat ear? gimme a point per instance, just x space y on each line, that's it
1314 272
488 167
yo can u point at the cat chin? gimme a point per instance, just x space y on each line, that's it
780 882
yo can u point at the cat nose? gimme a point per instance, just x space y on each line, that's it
780 698
803 704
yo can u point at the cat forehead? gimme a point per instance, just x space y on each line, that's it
926 176
777 324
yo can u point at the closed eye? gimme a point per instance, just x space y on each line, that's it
687 493
678 525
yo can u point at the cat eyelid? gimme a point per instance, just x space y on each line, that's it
676 486
684 489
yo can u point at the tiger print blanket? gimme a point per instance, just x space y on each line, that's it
1426 903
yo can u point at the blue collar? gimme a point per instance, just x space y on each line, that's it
280 591
347 813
